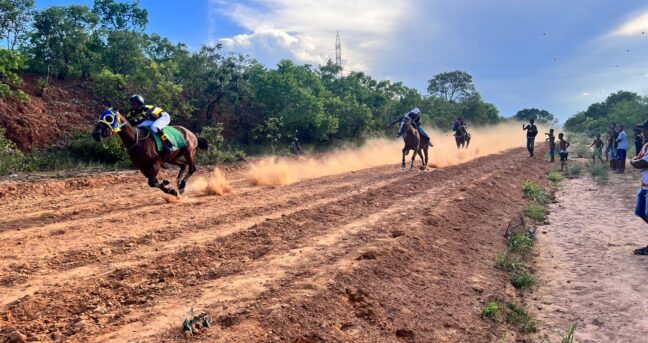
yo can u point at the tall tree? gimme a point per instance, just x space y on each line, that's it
15 16
61 38
120 16
452 86
541 116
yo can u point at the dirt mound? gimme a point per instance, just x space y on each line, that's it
65 107
379 255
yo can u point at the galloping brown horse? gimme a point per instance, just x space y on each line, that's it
142 150
413 142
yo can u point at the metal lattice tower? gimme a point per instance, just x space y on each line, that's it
338 50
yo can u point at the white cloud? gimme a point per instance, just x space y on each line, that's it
586 94
636 26
305 30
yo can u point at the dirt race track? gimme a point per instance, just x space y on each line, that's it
378 255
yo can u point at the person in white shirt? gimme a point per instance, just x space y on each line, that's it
622 150
641 162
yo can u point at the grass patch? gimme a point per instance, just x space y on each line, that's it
518 316
568 337
522 279
520 243
574 171
535 192
536 211
514 314
555 176
491 311
599 172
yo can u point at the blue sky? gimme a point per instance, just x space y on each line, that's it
556 55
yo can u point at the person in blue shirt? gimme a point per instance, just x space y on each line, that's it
622 150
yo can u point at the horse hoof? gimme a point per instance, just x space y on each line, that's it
173 192
181 190
165 182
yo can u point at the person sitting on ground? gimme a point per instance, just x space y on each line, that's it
641 162
563 145
552 145
415 116
598 148
622 150
638 140
532 132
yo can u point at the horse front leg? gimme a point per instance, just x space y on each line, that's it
404 154
153 182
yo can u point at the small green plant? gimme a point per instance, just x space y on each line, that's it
569 336
518 316
536 193
522 279
536 211
574 171
491 311
600 172
520 243
555 176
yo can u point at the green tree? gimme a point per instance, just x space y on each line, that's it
119 16
541 116
452 86
15 16
59 44
10 62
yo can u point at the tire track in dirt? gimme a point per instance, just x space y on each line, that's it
141 247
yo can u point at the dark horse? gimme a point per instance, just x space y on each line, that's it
413 142
462 138
143 153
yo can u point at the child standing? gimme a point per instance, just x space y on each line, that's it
598 148
564 145
552 145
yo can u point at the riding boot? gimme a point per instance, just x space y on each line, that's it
169 148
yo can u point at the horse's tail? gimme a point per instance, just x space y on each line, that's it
203 144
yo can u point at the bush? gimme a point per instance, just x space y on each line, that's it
520 243
517 315
599 172
536 211
85 149
522 279
536 193
555 176
491 311
574 171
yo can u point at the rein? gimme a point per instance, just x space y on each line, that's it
137 140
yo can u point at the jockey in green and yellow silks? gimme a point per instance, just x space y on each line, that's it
142 115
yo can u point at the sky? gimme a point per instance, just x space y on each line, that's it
555 55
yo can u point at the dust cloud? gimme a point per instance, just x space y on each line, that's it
213 184
485 141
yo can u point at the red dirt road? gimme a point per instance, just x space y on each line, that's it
379 255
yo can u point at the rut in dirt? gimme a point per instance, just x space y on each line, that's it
321 258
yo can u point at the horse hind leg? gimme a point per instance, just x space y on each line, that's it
192 169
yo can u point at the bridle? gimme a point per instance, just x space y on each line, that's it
109 120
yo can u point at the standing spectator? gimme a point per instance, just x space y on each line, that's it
564 154
638 140
532 132
552 145
612 141
622 149
598 149
641 162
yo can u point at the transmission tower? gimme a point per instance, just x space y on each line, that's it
338 51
